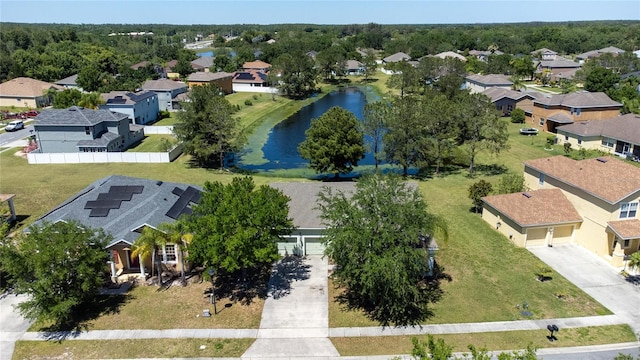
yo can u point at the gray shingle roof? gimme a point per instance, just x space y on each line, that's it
399 56
203 62
583 99
76 116
559 62
101 141
497 93
126 97
148 207
69 80
625 128
490 79
163 85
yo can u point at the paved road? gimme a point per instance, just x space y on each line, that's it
9 137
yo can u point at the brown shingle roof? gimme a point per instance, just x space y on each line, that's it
583 99
593 176
625 128
626 229
208 76
257 65
163 85
397 57
26 87
537 207
490 79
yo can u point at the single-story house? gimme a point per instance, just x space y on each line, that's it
596 53
26 92
77 129
122 206
221 79
250 81
354 67
450 54
478 83
484 55
506 100
258 65
573 201
619 135
142 106
557 69
167 90
69 82
202 63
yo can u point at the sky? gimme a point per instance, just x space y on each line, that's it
217 12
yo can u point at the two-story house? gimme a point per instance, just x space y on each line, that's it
592 203
167 91
77 129
551 111
221 79
142 107
478 83
257 65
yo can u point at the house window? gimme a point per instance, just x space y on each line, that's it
566 138
578 111
541 123
572 111
541 179
579 141
87 130
626 243
607 142
628 210
168 253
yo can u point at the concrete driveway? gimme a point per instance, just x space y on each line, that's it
12 325
595 277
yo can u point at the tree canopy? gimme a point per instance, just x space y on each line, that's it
373 236
334 143
207 128
60 266
237 226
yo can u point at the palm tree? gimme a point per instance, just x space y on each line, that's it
146 246
634 261
90 100
517 83
176 233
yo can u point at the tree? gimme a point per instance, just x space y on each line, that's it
91 78
90 100
66 98
516 83
523 67
297 75
517 116
373 126
60 266
634 261
207 128
511 183
440 126
477 191
483 129
404 77
147 244
403 140
373 237
369 64
237 226
334 143
601 79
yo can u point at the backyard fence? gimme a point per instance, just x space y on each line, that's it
158 130
104 157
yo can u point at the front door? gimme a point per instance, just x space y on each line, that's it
134 261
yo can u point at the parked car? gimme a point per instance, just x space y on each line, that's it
31 114
15 125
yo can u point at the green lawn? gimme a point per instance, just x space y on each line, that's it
171 120
392 345
131 349
152 143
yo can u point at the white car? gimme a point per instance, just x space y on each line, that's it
15 125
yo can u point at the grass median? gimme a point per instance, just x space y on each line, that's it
505 340
131 349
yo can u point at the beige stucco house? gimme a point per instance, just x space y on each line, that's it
592 203
26 92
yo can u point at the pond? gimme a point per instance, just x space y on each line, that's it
281 148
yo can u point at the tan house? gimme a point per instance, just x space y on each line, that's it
619 135
592 203
558 68
552 111
257 65
221 79
26 92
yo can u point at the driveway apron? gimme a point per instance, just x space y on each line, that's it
12 325
295 318
595 277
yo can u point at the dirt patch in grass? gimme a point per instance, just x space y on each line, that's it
392 345
131 349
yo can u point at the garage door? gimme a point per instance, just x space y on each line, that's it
313 246
288 246
536 237
562 234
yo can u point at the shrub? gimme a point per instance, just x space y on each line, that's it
248 102
567 147
544 273
551 140
517 116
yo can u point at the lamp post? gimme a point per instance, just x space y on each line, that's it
212 272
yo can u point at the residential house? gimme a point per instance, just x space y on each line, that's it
142 106
506 100
544 54
450 54
167 91
257 65
26 92
573 201
123 206
77 129
250 81
596 53
69 82
551 111
483 55
168 70
202 63
557 69
392 59
312 54
478 83
221 79
354 67
619 135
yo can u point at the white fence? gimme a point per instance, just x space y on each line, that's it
158 130
104 157
255 89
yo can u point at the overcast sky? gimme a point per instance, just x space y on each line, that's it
314 11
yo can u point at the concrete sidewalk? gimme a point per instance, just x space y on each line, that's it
13 326
601 281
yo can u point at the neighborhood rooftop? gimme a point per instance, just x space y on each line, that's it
531 208
592 175
163 85
26 87
625 229
491 79
582 99
208 76
625 128
76 116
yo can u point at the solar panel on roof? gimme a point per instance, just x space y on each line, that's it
99 212
106 204
245 76
177 191
136 189
118 188
125 196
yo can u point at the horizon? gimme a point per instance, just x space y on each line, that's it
315 12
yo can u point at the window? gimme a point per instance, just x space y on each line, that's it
607 142
579 141
626 243
572 111
566 138
509 107
541 123
578 111
541 179
628 210
168 253
87 130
